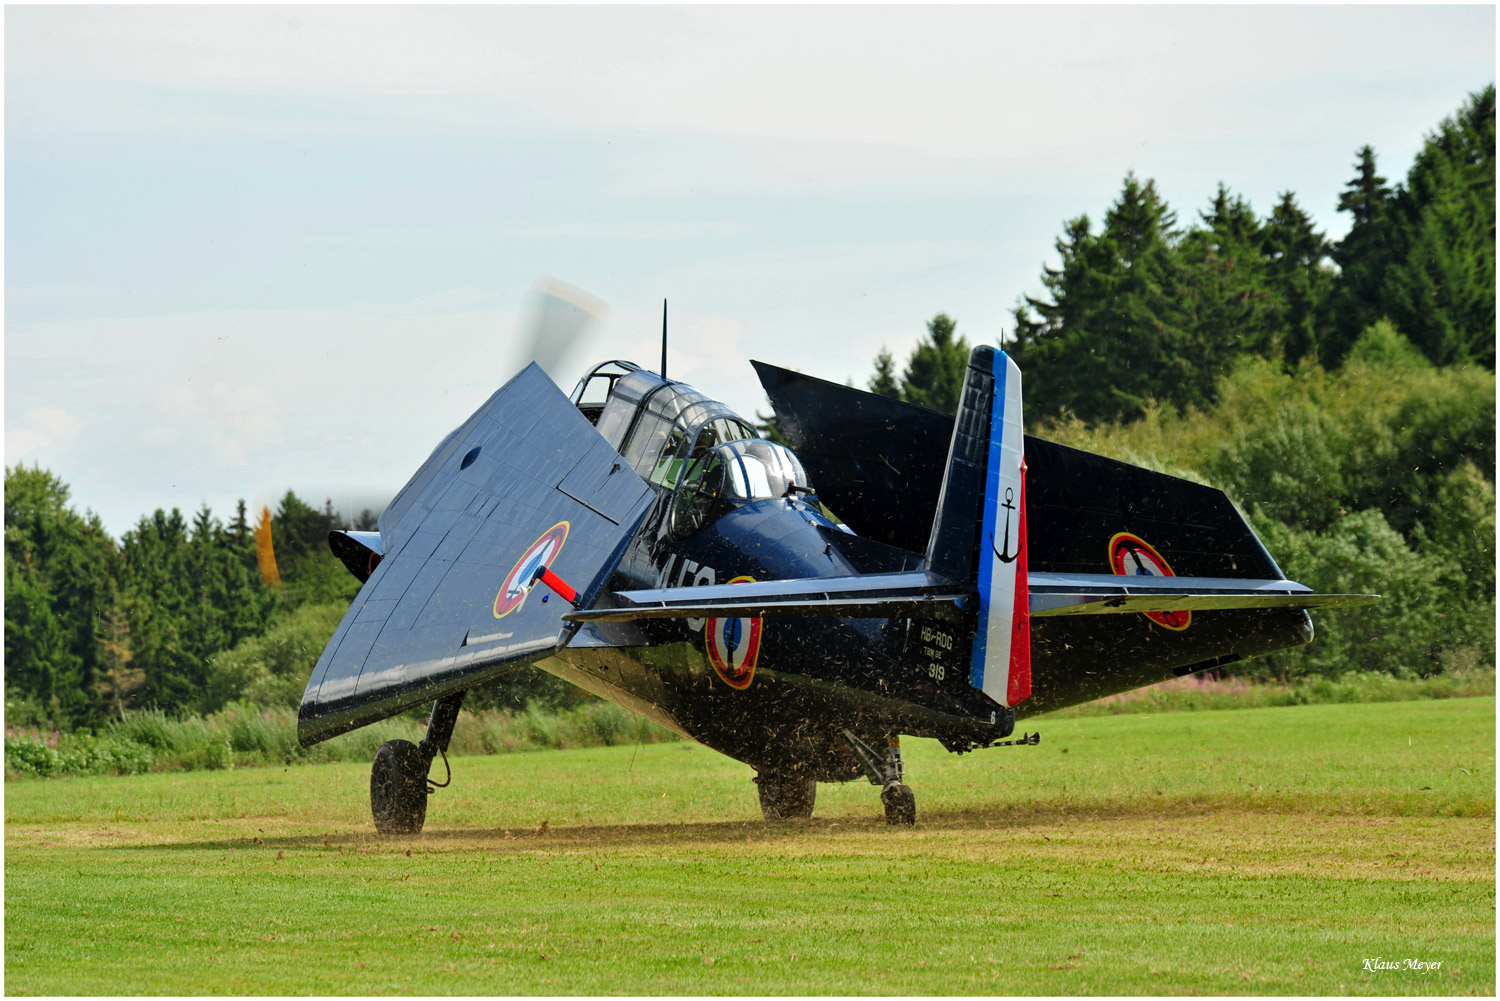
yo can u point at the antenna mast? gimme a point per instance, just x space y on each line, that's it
664 338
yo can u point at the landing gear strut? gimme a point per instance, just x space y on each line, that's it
885 770
398 779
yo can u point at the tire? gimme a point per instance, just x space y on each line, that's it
786 797
398 788
900 804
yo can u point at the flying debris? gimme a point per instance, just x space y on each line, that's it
896 571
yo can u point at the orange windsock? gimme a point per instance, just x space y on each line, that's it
265 554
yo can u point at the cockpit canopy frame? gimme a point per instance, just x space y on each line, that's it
681 441
654 423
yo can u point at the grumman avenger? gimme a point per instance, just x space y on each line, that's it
895 571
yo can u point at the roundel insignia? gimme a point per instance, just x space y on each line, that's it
733 646
1132 556
512 593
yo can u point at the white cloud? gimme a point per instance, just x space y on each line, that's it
991 83
228 405
42 429
708 354
237 421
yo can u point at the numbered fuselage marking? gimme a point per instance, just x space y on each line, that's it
937 649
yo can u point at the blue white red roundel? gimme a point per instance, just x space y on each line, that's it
1132 556
512 593
733 646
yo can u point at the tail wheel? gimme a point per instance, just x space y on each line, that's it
900 804
786 797
398 788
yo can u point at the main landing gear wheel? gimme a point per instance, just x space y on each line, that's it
900 804
398 788
786 797
398 780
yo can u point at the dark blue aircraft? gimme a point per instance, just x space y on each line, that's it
894 571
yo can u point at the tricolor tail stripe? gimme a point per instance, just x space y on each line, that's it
1001 659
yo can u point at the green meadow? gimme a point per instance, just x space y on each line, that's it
1258 851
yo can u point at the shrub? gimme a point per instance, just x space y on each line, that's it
272 669
243 735
31 757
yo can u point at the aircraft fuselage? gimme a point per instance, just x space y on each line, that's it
784 704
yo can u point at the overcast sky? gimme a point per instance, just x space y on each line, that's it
253 248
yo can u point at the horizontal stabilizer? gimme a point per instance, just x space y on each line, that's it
878 462
360 552
913 595
1103 594
921 595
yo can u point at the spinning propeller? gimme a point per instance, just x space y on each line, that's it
556 322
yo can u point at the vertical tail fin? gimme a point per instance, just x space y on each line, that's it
979 533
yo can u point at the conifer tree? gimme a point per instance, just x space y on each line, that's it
39 667
1111 337
1440 287
1226 307
58 567
156 568
883 382
299 530
307 568
188 596
1233 224
1362 256
1295 257
239 528
120 681
934 374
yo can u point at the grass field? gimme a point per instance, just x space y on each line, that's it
1265 851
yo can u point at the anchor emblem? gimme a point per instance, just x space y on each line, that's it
1009 505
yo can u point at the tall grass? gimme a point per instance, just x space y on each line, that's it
242 735
1200 692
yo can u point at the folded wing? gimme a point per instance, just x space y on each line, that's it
525 481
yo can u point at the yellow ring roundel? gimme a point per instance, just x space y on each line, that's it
734 646
512 593
1132 556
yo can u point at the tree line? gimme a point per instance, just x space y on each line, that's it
94 627
185 615
1142 310
1343 393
